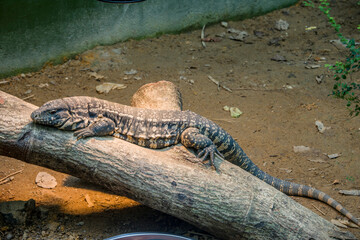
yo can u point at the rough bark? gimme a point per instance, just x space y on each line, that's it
231 204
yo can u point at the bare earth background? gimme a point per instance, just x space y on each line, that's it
280 101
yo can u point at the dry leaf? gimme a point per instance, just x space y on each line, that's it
336 181
107 87
96 75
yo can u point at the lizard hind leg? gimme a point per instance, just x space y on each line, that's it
101 127
192 138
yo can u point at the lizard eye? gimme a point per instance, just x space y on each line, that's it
52 111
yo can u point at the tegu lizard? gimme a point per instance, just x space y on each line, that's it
151 128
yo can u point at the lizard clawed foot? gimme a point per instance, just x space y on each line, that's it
209 151
83 133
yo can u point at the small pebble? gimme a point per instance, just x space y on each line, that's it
301 149
131 72
9 236
334 155
278 58
224 24
281 25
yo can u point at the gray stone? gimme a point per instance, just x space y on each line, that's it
281 25
17 212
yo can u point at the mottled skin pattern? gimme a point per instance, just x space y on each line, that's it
161 128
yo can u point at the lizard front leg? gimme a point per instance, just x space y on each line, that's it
191 137
101 127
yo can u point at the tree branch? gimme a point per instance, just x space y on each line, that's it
231 205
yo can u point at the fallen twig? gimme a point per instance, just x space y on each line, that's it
307 59
218 84
4 82
350 192
318 209
224 120
25 98
4 179
256 89
7 180
203 36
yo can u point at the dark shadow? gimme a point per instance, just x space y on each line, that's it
50 221
75 182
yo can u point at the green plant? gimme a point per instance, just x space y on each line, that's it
349 178
344 87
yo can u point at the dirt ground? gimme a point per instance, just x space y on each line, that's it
280 101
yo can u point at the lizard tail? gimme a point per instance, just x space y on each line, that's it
234 153
294 189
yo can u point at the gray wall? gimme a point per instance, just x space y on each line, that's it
33 32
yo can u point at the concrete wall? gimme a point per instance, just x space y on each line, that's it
33 32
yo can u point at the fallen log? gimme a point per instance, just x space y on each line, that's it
231 204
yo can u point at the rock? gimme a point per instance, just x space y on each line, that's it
152 96
259 34
222 35
9 236
53 226
281 25
43 212
286 12
301 149
224 24
17 212
291 75
334 155
278 58
25 235
80 223
275 41
233 30
320 126
131 72
42 85
239 35
45 180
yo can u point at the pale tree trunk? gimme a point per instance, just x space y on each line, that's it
231 204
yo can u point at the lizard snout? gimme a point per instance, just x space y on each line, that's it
35 115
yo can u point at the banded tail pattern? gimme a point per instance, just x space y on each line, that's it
234 153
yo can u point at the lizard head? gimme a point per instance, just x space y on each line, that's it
53 113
